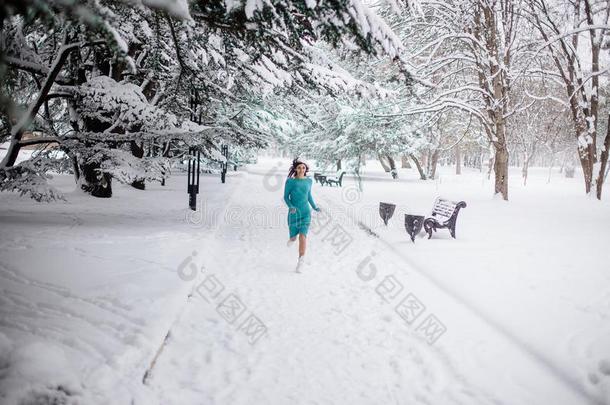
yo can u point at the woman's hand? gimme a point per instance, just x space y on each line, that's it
292 210
317 209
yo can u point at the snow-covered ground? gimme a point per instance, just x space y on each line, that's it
516 310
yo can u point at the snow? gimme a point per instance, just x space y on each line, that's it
91 287
371 24
118 39
43 361
177 8
230 5
342 81
252 6
271 73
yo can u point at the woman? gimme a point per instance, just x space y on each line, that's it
297 195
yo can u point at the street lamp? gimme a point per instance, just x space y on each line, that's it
225 153
194 155
194 159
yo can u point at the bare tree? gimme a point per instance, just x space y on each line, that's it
561 26
470 55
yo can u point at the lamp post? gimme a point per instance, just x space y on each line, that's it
193 176
225 153
194 155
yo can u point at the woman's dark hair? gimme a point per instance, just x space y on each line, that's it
293 168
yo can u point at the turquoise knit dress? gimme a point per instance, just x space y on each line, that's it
297 194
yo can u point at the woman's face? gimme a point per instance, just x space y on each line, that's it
301 170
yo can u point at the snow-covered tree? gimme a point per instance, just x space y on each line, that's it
574 35
467 55
118 85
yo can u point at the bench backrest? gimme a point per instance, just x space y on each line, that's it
444 208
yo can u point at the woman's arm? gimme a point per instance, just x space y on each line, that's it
287 193
310 198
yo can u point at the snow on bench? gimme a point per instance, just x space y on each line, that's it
330 180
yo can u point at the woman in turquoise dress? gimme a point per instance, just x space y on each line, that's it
297 195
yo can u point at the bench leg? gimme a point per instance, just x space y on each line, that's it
428 226
452 229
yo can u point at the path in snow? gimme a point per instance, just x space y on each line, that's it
331 336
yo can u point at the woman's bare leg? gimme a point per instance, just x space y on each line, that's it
302 244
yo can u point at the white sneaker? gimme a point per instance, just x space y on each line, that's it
299 264
290 242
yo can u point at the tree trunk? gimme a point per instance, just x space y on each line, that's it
422 174
405 164
391 161
496 82
524 171
165 153
393 170
603 164
74 161
382 160
501 172
527 159
458 159
490 166
98 183
548 180
338 164
93 179
586 158
138 151
433 163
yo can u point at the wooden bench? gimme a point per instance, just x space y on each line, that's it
328 180
335 180
319 178
444 215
